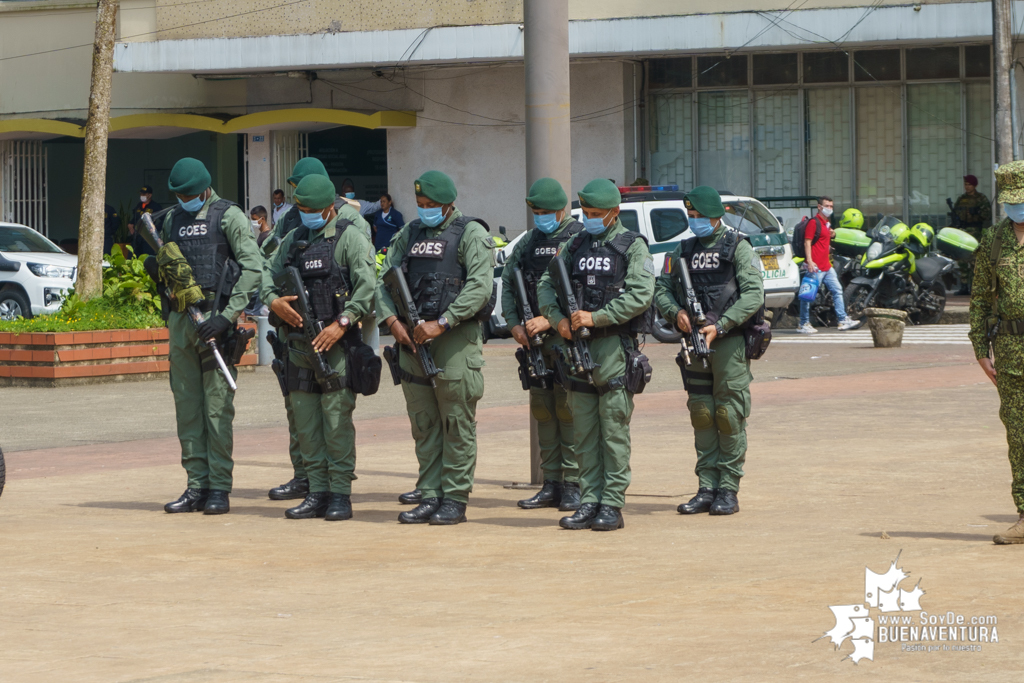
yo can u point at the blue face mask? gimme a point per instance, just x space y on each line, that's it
701 226
313 221
193 205
547 223
431 217
594 226
1015 212
350 195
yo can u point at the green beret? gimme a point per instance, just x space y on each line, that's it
306 166
706 201
547 194
189 177
315 192
1010 181
600 194
437 187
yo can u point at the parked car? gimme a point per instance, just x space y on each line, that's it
659 214
35 274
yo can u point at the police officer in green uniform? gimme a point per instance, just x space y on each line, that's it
997 324
338 272
613 274
448 259
727 281
298 487
974 212
214 237
548 399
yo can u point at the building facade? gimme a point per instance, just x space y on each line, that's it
883 106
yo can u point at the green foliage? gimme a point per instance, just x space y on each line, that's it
129 302
122 236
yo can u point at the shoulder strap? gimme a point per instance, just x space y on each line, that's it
465 220
622 243
993 280
577 242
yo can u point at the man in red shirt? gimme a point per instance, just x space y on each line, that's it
817 246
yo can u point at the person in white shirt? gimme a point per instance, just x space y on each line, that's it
281 207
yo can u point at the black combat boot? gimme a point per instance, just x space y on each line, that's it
548 497
450 512
570 497
315 505
339 507
295 489
608 519
582 519
699 503
422 513
217 503
725 503
414 497
191 501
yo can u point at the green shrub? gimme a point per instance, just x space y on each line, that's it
129 302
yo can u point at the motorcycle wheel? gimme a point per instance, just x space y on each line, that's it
855 297
933 317
664 331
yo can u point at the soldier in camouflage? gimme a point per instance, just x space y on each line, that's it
974 213
997 324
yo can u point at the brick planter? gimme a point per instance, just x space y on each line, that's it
54 359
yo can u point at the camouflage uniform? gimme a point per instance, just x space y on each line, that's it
975 214
1008 348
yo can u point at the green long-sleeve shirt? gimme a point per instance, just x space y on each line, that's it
509 305
238 231
748 277
352 251
1009 348
639 285
476 255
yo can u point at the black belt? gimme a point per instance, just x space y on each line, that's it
407 376
586 388
1011 326
304 379
611 331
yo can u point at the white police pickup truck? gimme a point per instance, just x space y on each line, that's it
659 214
35 274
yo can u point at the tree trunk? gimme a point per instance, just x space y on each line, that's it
94 177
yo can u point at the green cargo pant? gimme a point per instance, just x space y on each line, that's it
444 419
719 405
294 452
550 407
327 437
204 407
601 429
1011 412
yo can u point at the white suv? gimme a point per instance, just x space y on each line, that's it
659 214
35 274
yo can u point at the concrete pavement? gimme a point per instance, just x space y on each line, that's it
846 442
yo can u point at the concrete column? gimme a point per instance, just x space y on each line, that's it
1002 54
258 173
548 147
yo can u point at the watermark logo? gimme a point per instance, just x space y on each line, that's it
887 615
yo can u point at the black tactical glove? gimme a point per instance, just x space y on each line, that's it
214 327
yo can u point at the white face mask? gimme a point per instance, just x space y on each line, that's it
826 212
256 225
143 199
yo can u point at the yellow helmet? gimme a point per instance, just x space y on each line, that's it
900 233
922 233
852 218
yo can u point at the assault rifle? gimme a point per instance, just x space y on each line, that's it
289 283
576 353
534 366
954 217
694 342
151 235
405 307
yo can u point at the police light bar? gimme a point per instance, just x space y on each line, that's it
648 188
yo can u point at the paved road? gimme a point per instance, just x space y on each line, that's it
925 334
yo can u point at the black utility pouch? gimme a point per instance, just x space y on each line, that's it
757 334
638 372
524 368
237 343
364 366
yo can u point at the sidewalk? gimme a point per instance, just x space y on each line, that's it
98 584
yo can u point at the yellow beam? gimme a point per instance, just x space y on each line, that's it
48 126
193 121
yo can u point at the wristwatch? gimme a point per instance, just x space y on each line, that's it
343 320
443 322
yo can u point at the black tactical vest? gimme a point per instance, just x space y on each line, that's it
203 243
599 271
712 269
432 267
537 255
327 283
